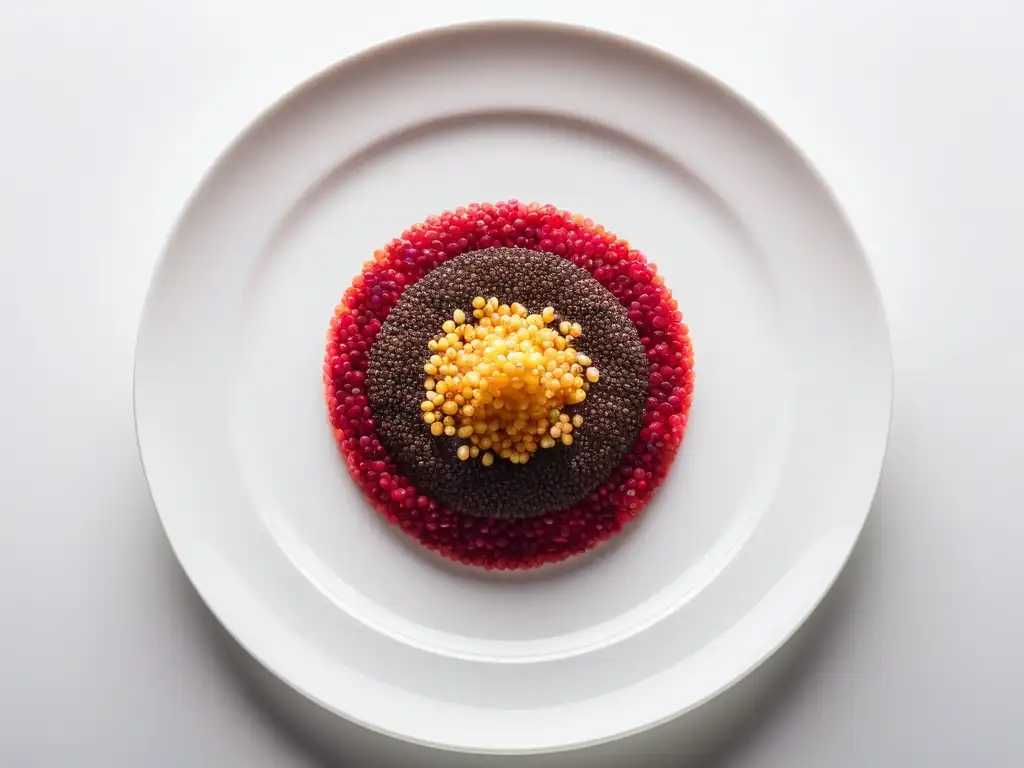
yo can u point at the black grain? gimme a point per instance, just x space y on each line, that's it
554 478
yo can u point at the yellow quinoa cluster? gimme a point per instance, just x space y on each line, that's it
501 383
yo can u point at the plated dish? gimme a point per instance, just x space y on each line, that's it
754 516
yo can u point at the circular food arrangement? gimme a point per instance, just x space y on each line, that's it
508 383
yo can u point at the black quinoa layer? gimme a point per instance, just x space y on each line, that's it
554 478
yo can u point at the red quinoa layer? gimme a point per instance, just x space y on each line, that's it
529 542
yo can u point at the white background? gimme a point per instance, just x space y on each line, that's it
111 109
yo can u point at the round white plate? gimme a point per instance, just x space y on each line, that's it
763 505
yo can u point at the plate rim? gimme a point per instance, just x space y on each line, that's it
453 29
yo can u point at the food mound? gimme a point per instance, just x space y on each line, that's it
508 383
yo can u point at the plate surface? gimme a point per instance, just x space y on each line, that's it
766 499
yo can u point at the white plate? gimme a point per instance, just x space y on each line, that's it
766 500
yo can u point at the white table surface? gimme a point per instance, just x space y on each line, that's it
111 109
